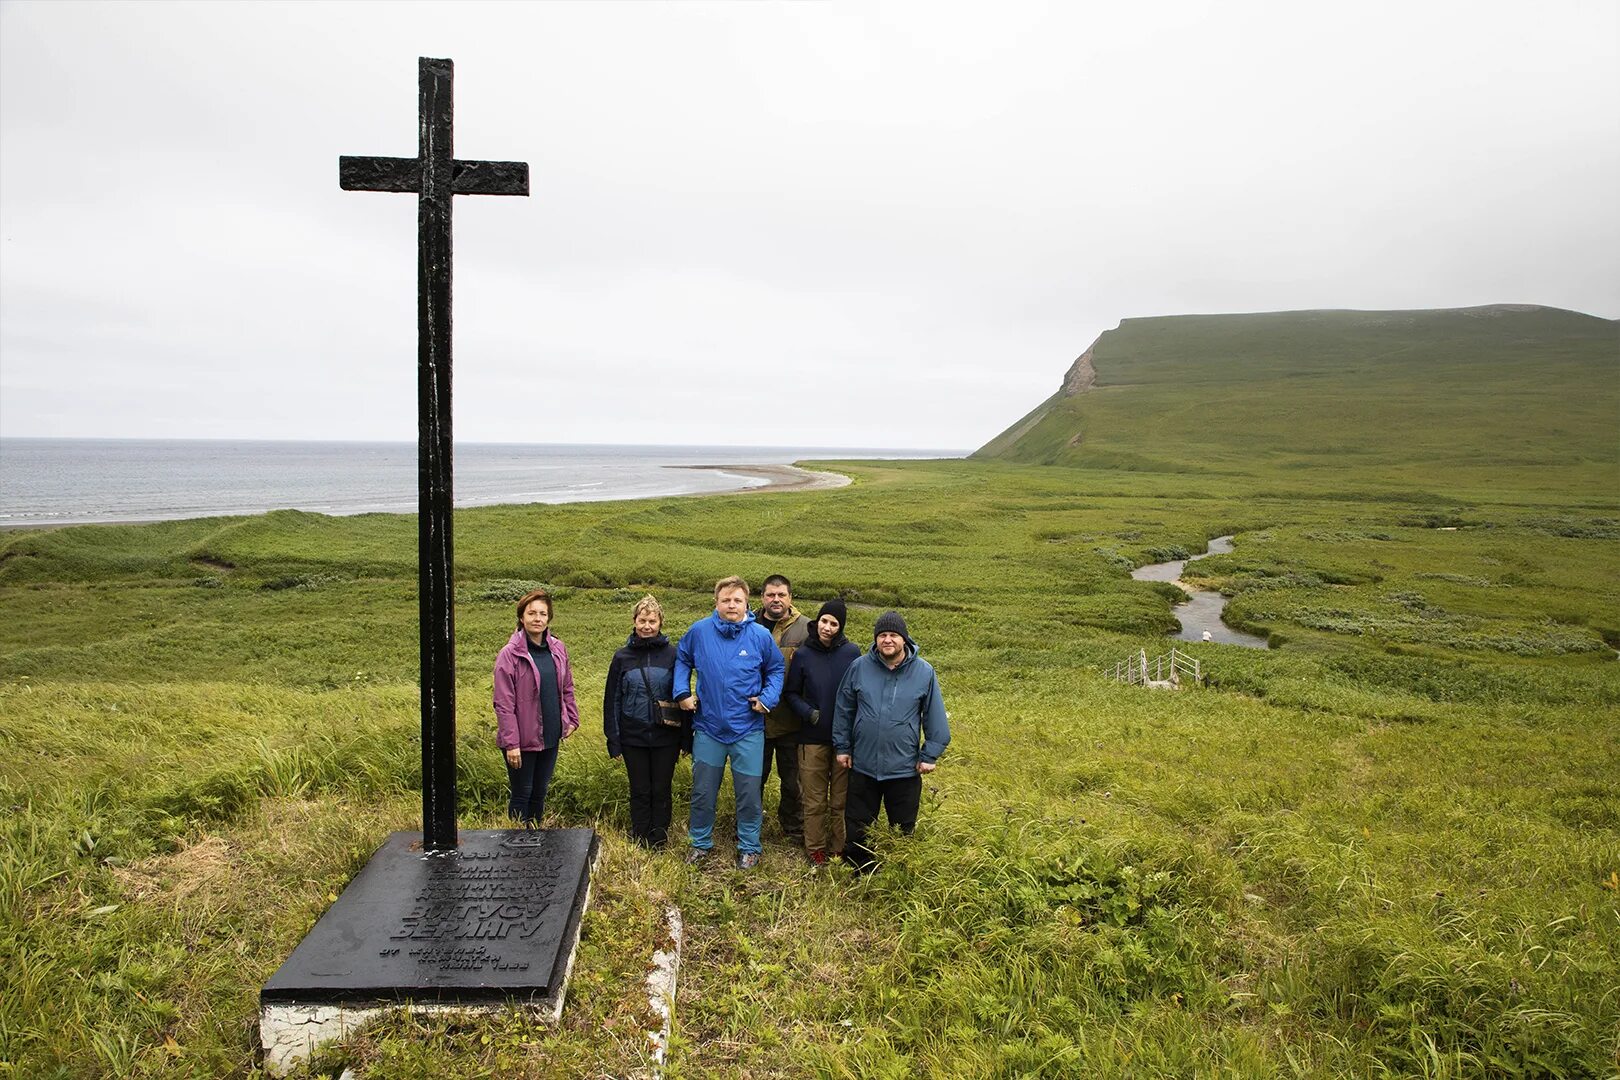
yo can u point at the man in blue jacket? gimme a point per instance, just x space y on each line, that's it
739 670
888 702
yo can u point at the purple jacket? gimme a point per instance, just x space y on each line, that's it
517 693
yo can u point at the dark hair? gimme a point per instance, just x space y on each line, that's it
530 597
777 579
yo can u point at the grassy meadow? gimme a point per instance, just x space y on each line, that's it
1388 847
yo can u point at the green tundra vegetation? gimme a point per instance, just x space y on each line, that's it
1389 845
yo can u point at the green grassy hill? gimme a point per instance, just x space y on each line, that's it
1462 400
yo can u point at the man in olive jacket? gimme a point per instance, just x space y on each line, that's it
888 702
789 629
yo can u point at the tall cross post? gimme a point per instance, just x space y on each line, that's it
434 175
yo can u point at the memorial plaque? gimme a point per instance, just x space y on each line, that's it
498 918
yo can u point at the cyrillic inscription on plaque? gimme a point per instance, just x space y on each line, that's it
497 915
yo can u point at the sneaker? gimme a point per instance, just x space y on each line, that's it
696 855
748 860
818 859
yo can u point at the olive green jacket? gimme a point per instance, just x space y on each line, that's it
789 634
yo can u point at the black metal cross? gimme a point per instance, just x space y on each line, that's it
434 175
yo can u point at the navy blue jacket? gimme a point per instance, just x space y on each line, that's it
882 715
812 684
641 675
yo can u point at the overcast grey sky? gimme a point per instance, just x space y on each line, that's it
837 223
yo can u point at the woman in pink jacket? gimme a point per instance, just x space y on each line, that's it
534 707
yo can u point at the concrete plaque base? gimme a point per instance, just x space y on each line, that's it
494 922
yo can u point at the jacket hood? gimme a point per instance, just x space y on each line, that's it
814 642
730 629
912 652
657 641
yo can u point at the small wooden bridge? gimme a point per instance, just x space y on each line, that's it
1163 672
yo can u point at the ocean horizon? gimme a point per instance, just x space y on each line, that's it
80 481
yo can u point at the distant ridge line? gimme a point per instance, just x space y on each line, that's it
1485 309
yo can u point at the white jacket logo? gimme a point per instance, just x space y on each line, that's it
743 653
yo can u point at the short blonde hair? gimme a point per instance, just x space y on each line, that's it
647 603
732 582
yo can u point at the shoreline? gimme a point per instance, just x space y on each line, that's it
778 478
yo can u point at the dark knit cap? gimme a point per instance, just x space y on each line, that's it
837 610
890 622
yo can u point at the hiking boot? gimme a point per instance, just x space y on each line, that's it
818 859
748 860
696 856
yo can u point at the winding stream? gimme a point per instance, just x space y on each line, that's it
1202 610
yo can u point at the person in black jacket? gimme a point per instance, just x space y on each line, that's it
641 723
812 691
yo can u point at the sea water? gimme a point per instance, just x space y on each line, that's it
78 481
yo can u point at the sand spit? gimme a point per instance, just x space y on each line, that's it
776 477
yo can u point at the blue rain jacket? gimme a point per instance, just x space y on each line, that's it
734 661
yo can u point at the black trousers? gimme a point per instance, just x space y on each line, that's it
790 809
651 770
527 785
899 800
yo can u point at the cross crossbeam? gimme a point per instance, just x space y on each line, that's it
434 175
404 176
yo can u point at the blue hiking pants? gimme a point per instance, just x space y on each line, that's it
709 756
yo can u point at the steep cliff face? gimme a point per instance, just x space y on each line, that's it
1081 376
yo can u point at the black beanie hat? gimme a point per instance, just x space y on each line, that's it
837 610
890 622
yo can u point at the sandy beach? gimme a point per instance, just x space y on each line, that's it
776 477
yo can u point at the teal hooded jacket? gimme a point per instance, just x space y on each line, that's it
882 716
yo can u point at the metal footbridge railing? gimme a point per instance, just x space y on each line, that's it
1167 669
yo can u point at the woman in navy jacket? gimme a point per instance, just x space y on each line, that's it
812 691
641 725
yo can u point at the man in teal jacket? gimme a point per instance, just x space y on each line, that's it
739 670
888 702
